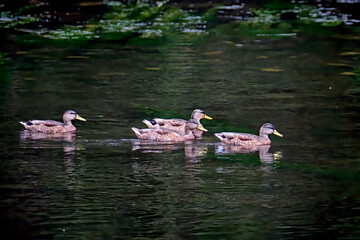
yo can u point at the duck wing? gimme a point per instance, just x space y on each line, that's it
161 135
173 122
244 139
46 126
48 123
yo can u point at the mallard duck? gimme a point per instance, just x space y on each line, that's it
50 126
177 124
168 135
248 140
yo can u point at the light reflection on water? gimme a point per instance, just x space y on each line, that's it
103 182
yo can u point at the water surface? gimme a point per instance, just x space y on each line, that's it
102 183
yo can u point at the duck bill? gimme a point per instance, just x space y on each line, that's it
207 117
202 129
80 118
277 133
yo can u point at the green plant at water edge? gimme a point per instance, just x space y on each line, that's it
15 19
283 20
8 20
3 59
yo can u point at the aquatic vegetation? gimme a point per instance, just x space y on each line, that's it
10 20
301 13
126 21
143 22
3 59
284 20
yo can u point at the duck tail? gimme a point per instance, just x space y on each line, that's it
24 124
220 136
147 123
136 131
150 124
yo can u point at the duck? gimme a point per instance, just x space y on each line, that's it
177 124
51 126
249 140
169 135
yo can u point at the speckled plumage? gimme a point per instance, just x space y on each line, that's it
51 126
177 124
168 135
248 140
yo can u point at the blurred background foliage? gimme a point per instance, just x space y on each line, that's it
80 21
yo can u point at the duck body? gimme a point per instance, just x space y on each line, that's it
177 124
168 135
51 126
249 140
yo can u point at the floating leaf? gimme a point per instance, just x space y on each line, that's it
347 73
112 74
77 57
349 53
229 42
90 4
153 68
338 64
271 70
212 53
21 52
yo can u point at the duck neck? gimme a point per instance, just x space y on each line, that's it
262 135
188 134
264 138
67 122
69 126
196 117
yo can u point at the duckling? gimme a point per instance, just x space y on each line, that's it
168 135
248 140
177 124
51 126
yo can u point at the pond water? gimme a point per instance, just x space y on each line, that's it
102 183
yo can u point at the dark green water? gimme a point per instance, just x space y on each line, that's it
103 184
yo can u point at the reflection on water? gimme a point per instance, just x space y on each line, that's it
102 183
193 151
27 136
264 155
267 158
30 139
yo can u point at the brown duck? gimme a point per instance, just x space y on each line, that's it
177 124
168 135
51 126
248 140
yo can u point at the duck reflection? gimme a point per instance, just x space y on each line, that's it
39 141
30 139
62 137
145 146
192 150
264 154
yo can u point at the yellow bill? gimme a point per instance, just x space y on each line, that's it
80 118
207 117
202 129
277 133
